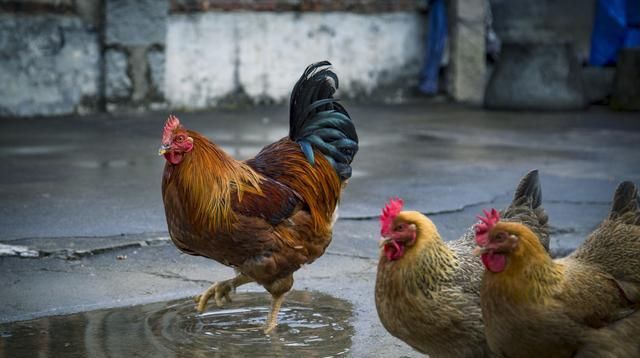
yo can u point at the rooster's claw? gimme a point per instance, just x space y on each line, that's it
219 291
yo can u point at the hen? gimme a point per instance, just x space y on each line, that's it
427 290
584 305
269 215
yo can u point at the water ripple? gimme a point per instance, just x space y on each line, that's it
311 325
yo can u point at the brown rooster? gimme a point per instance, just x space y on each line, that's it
427 290
584 305
269 215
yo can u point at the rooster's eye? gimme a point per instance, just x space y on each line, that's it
501 236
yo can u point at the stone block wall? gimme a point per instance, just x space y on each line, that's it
134 43
466 72
49 65
69 56
77 56
213 55
220 51
545 21
545 46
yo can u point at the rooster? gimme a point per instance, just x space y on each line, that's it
269 215
427 290
584 305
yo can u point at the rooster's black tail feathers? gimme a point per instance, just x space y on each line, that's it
318 121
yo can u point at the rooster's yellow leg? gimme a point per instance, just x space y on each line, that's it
220 290
277 289
272 320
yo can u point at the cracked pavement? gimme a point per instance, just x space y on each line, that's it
84 194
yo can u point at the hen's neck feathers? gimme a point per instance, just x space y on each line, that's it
429 260
530 275
209 177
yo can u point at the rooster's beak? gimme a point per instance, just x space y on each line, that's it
163 149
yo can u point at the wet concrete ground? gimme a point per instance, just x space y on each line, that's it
83 195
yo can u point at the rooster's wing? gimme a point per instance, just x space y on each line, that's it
275 204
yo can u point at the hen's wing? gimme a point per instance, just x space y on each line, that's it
590 297
614 246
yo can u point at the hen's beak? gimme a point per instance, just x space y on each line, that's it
163 149
384 241
479 251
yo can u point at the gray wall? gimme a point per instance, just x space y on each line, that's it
545 21
260 55
65 56
49 64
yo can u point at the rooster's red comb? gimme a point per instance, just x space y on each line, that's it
488 221
389 213
172 123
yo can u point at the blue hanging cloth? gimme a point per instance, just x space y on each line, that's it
436 39
616 26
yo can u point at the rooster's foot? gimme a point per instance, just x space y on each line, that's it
220 291
268 328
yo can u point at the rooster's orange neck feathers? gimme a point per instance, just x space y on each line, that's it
209 178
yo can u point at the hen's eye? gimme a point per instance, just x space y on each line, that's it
501 236
179 138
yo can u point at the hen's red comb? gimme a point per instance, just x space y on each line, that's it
172 123
489 220
389 213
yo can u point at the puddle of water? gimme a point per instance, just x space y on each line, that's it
311 324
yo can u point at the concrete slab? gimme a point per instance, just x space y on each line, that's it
159 273
85 193
74 247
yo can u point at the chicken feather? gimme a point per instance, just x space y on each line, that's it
430 296
584 305
269 215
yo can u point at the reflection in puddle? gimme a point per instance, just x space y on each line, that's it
311 325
